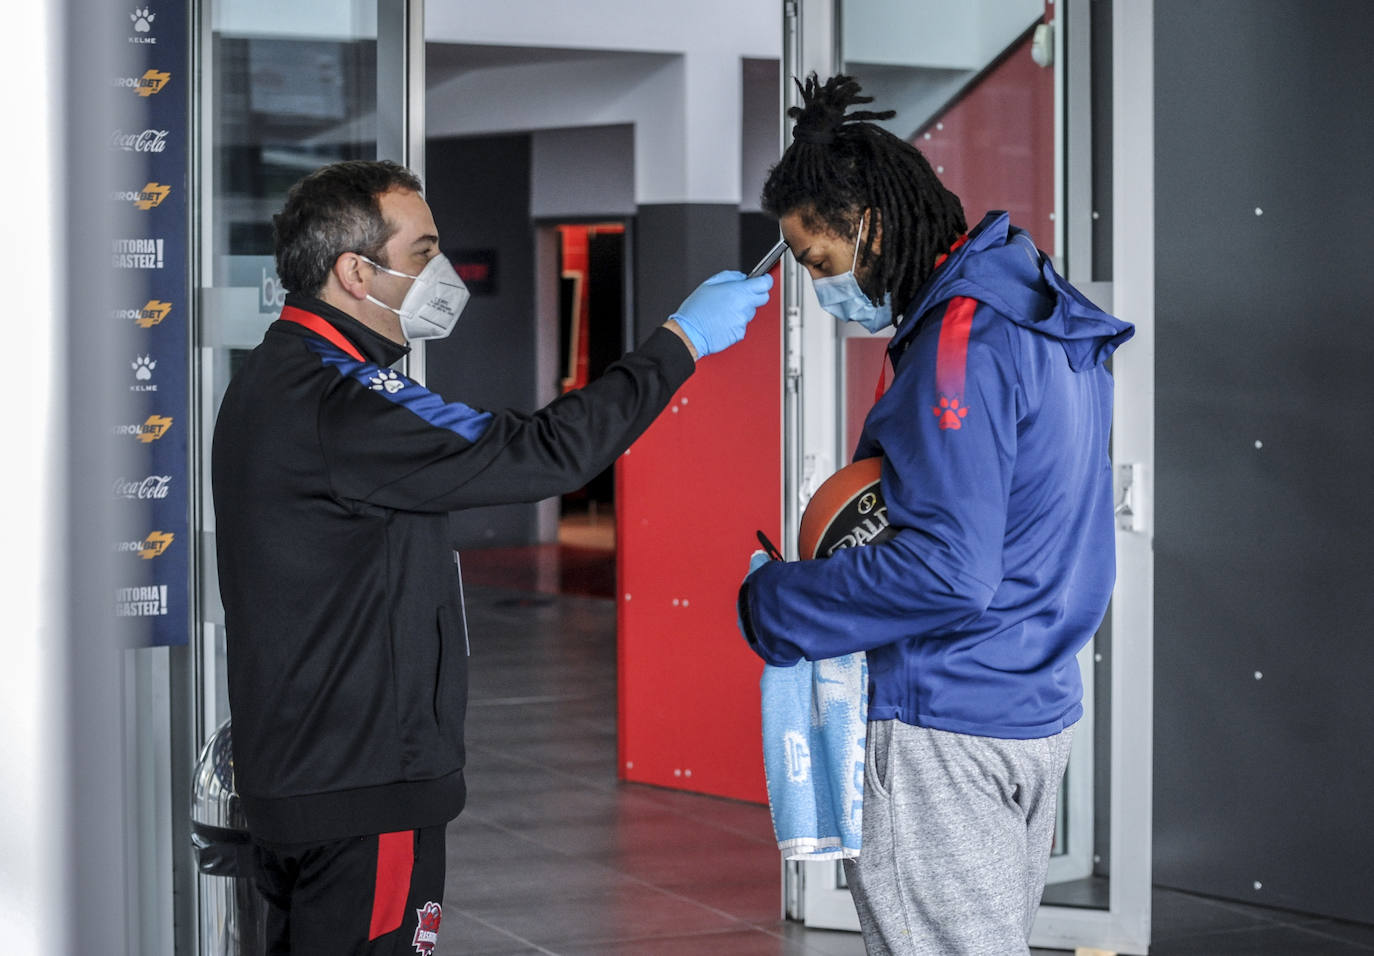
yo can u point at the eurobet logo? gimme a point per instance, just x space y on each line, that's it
155 312
150 431
149 84
151 196
152 82
153 546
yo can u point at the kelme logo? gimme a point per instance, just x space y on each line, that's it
142 20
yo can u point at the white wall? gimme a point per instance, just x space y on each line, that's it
588 170
671 71
644 91
33 757
733 28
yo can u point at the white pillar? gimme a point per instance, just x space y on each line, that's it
34 908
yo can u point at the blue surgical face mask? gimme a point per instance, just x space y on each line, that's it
842 297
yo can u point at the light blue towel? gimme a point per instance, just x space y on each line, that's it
814 723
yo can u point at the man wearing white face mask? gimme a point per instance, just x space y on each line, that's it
333 477
431 307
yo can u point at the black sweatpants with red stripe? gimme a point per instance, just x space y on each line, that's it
378 895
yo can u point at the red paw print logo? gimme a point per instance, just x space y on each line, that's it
949 411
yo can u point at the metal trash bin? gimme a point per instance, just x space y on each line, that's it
232 919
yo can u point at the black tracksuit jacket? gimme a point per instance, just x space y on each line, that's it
333 477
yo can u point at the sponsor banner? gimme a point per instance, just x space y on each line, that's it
147 145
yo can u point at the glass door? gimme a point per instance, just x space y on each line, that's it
998 96
285 88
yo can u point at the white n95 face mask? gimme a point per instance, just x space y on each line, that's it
433 303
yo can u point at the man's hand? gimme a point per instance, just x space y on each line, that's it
714 316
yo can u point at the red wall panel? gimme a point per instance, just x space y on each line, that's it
690 495
865 365
994 147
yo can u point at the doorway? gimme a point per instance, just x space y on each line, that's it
590 262
580 275
591 335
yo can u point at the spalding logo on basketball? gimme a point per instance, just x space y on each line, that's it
847 510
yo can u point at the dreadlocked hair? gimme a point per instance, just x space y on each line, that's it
840 164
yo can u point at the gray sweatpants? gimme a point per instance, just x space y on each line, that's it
956 840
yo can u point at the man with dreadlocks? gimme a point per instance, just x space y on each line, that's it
993 436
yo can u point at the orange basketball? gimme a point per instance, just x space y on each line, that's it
847 510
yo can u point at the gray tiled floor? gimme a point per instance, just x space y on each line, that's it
554 856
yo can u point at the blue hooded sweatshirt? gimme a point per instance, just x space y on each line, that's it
996 473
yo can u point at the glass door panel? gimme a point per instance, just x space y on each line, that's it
286 88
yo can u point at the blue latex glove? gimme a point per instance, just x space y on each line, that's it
714 316
756 560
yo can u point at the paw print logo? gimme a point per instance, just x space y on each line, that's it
949 411
143 367
143 19
387 381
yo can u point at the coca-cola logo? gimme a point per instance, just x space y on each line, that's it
148 141
153 487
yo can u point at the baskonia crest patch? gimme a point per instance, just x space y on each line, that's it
427 932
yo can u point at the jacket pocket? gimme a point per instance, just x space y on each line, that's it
451 684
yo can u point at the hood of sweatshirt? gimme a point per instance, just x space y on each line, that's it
1000 266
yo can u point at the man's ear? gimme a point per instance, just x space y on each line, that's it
352 274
